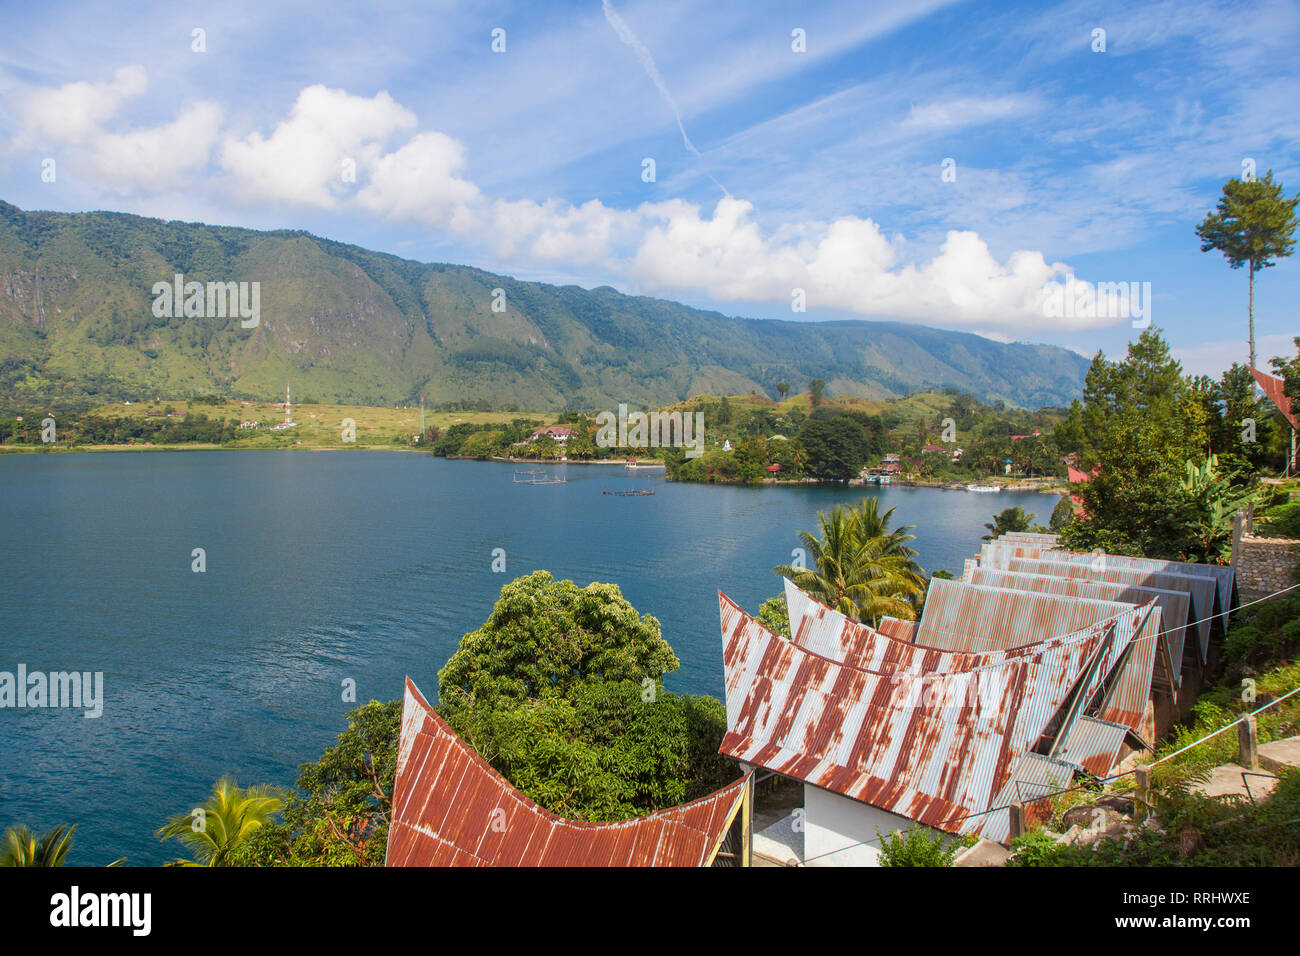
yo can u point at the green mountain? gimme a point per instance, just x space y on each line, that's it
348 325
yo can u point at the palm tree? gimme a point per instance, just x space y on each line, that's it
859 566
229 817
1009 519
21 848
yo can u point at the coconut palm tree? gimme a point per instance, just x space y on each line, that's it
228 818
22 848
859 566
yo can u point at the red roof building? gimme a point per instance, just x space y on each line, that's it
450 808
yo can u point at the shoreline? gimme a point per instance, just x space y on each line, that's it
652 464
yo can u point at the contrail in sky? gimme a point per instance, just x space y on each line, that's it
643 54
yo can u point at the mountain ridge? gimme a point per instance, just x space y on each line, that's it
348 324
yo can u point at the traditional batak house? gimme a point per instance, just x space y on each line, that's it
1038 666
450 808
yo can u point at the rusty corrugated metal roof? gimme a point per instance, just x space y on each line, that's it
932 747
965 617
450 808
1200 589
1221 574
898 629
826 632
1036 778
1275 389
1093 744
1175 606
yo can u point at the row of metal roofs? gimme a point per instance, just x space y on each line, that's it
450 808
935 734
1060 649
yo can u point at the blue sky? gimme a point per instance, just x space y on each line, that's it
775 170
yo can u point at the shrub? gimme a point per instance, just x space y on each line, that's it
917 847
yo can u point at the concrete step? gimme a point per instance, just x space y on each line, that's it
1227 780
1279 753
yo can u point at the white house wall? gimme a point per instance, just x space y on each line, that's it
842 832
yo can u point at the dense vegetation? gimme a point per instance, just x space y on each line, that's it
1171 456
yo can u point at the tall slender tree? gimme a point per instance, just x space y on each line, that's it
815 388
1252 226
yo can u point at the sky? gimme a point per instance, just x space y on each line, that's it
943 163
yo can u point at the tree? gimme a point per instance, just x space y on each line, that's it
1010 519
815 389
544 637
561 691
836 447
1252 226
860 566
783 389
21 848
1142 423
774 615
340 815
215 831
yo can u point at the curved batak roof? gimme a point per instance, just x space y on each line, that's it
936 746
450 808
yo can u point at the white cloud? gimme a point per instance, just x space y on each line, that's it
418 183
157 157
848 265
301 161
71 118
76 112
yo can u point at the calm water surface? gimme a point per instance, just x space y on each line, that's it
325 566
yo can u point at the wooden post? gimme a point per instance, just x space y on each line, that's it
1248 743
1017 811
747 826
1142 792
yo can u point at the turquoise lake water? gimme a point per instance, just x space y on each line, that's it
324 566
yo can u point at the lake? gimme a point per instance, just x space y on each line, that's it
327 566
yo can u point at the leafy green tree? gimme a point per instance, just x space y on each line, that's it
860 566
545 637
1252 226
561 691
609 750
1143 423
228 818
340 814
724 411
837 447
1212 502
783 389
774 615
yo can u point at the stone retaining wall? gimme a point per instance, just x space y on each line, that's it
1264 565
